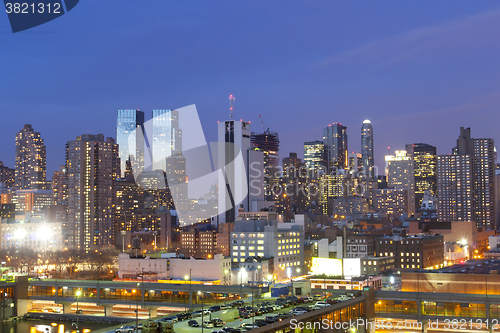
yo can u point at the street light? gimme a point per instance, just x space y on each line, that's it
190 279
185 291
136 307
225 288
202 312
78 294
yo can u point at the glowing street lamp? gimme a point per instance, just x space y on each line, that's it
78 294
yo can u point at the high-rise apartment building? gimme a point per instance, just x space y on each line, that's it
30 159
455 188
401 176
60 186
466 182
294 184
92 165
268 142
335 142
7 175
130 142
425 170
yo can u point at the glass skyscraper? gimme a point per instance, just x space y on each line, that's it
314 158
167 137
127 122
367 145
335 141
425 170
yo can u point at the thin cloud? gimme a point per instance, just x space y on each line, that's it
475 30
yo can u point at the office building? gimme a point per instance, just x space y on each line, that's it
166 138
355 163
294 189
425 170
130 142
32 200
268 142
331 186
401 176
40 237
236 137
416 252
335 142
30 159
392 202
92 165
269 239
314 158
7 175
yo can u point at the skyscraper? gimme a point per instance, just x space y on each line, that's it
30 159
401 176
7 175
234 137
368 162
314 158
131 145
455 188
335 141
367 146
92 166
268 142
425 170
167 137
470 174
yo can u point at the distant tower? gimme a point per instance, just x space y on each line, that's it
30 160
231 106
335 141
367 145
127 123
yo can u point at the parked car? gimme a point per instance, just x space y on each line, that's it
218 331
171 319
260 322
208 324
193 323
297 312
224 307
125 329
183 316
321 304
277 306
248 327
214 308
331 301
218 322
270 319
231 330
343 298
240 302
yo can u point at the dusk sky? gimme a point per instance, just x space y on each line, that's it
418 70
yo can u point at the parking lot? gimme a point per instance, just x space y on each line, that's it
291 306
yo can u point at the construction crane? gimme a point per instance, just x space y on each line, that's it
231 106
263 126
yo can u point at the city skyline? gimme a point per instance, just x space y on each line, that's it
414 86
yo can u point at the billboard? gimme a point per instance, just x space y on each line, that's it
326 266
352 267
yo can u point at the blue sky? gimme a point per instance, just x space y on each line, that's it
417 70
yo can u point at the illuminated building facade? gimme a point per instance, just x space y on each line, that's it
392 202
131 145
425 170
92 166
401 176
367 146
269 239
167 137
7 175
32 200
30 160
416 252
466 182
455 188
60 186
331 187
294 185
314 158
335 142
